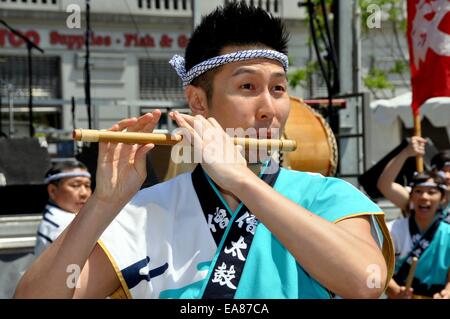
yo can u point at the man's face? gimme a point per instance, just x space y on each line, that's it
71 193
446 171
426 200
250 94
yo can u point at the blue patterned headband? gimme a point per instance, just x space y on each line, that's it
178 62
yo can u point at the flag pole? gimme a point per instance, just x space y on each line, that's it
418 132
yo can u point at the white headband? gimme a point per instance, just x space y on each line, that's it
66 175
178 62
442 174
430 184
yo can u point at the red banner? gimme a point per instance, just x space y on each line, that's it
429 49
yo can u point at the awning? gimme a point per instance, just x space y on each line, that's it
436 109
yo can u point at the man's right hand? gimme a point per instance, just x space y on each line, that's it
402 293
121 168
416 146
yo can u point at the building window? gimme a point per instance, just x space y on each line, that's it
158 81
46 81
46 85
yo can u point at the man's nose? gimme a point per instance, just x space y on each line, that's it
425 195
266 107
84 190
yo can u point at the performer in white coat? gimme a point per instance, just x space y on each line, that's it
68 187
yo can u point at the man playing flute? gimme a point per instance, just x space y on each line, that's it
229 229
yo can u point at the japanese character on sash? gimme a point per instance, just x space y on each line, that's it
223 276
220 217
235 250
250 220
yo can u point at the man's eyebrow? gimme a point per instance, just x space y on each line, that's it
244 70
280 75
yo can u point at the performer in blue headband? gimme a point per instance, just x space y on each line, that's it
69 187
425 234
231 228
440 163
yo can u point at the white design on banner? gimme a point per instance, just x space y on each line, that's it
223 276
235 250
425 34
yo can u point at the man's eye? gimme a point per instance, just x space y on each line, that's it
280 88
247 86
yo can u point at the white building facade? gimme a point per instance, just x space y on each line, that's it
131 44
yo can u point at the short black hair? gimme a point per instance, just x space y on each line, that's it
62 166
235 24
438 161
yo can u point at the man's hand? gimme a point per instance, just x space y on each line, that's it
121 168
444 294
220 158
416 146
402 293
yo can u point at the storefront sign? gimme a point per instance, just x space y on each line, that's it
111 40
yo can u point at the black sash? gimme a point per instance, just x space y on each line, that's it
236 239
420 244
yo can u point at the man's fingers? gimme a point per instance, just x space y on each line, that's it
120 126
141 122
150 126
183 121
140 158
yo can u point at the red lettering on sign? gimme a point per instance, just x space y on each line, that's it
133 40
130 39
3 34
166 41
15 41
33 36
183 41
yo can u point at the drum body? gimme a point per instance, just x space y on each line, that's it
316 144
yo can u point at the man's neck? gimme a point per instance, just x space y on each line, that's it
424 222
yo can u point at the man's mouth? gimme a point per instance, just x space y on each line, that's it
424 208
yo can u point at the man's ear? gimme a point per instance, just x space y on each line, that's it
52 189
197 100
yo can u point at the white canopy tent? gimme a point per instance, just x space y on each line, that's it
383 127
